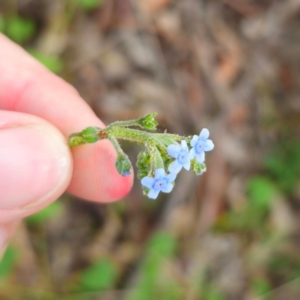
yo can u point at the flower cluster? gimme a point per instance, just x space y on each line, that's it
183 157
164 151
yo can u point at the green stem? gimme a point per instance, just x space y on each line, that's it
140 136
123 124
116 145
75 140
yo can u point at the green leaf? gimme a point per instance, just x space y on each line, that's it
283 165
163 243
48 213
8 261
215 295
20 29
261 286
161 248
53 63
89 4
261 192
2 23
100 276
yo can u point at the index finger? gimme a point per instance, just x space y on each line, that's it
27 86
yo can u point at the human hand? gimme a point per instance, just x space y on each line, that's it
38 110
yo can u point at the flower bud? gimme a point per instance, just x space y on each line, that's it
123 164
148 122
90 134
198 168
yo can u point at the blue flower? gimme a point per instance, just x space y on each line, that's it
200 145
160 182
182 157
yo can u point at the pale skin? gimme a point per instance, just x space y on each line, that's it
38 110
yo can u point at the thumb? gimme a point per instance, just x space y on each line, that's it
35 166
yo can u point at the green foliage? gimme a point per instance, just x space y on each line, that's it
254 213
162 243
102 275
53 63
245 220
284 267
283 165
261 286
118 208
208 290
213 294
8 262
160 249
261 191
48 213
2 23
20 29
89 4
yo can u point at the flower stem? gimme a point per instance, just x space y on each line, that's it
139 136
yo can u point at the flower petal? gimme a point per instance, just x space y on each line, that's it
209 145
167 188
184 144
160 173
171 177
194 140
200 157
153 194
192 153
147 182
175 167
204 134
187 165
173 150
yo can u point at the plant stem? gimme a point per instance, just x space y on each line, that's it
123 124
140 136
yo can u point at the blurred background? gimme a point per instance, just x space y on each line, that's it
232 66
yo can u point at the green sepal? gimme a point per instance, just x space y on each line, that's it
143 164
148 122
145 190
123 164
158 161
198 168
90 134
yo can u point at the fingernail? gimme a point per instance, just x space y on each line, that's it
34 159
